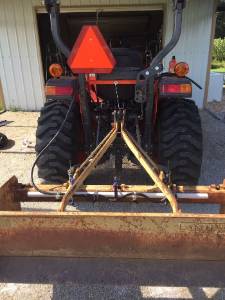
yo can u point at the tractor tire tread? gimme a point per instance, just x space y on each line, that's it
55 161
180 139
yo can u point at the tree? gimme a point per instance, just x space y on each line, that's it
220 25
220 22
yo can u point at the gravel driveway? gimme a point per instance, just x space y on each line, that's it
18 159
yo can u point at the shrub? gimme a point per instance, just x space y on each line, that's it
219 49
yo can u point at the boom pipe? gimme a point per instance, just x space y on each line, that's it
124 194
90 193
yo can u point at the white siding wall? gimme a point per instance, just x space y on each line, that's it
20 70
194 45
20 64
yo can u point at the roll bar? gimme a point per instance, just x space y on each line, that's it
53 8
179 5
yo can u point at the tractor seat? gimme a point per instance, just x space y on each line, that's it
129 62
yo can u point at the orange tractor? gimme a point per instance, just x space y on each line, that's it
106 81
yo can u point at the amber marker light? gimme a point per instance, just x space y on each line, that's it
56 70
181 69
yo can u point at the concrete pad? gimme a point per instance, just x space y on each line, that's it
20 130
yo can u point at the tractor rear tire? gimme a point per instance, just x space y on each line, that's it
55 161
180 140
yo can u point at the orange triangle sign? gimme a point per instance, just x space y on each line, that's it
91 53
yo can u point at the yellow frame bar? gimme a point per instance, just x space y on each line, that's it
149 166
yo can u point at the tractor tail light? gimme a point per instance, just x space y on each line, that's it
58 90
176 88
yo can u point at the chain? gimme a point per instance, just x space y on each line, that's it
117 94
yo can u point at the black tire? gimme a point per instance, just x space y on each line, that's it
180 140
3 141
54 163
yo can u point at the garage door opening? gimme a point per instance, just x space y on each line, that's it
140 30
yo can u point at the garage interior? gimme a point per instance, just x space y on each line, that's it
142 31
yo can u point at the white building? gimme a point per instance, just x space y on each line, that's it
21 59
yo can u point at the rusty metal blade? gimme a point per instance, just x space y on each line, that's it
122 235
8 197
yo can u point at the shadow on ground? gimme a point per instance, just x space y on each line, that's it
117 279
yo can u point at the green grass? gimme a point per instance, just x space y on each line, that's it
219 70
218 66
